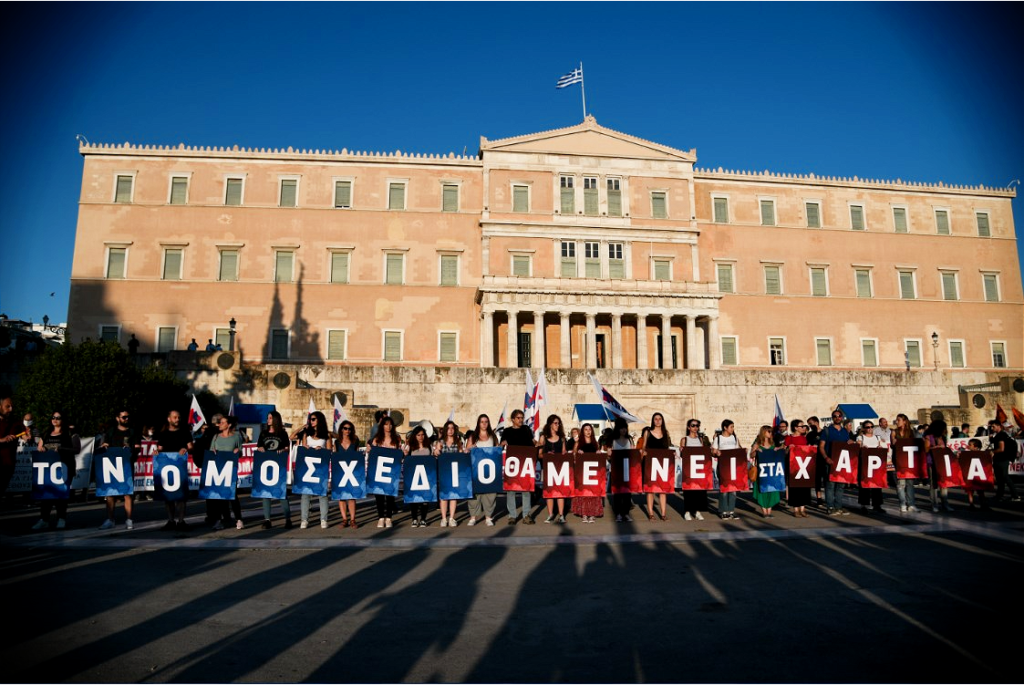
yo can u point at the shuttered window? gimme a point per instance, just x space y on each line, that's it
283 266
568 260
616 264
956 354
124 189
907 290
233 195
772 280
172 264
449 269
343 194
659 205
568 195
179 190
110 333
592 260
521 265
289 190
999 355
614 197
279 343
991 287
857 217
450 198
914 353
520 198
869 353
983 228
228 265
721 210
166 339
949 289
942 222
394 268
863 277
662 270
449 349
813 215
590 196
824 348
767 213
335 345
396 196
899 219
116 257
392 346
725 279
819 283
729 353
222 337
339 267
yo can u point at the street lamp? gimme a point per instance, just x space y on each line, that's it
231 333
935 347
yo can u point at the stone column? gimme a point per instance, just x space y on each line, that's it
591 340
513 340
641 342
666 341
714 346
487 342
616 341
691 341
563 341
538 339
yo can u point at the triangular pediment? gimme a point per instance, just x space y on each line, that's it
588 139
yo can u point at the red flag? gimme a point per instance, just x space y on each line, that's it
697 471
910 459
732 471
873 473
519 469
947 468
557 475
591 473
844 463
660 471
627 472
1018 417
802 465
976 468
1000 414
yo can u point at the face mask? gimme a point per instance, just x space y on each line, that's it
27 424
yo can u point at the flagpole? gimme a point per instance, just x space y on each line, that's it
583 90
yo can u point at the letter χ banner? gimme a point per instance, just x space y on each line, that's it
732 471
486 470
49 476
947 467
454 475
348 475
384 471
697 471
219 476
419 473
270 475
114 472
844 463
910 459
627 474
170 476
591 473
771 470
802 463
976 468
660 471
519 471
312 471
558 475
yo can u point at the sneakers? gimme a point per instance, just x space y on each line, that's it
107 525
549 519
618 519
380 523
490 521
387 523
903 508
452 522
61 524
40 525
305 524
935 508
219 525
423 523
912 509
844 512
511 521
444 522
561 519
528 520
699 516
627 518
239 525
687 516
323 524
415 523
129 524
472 521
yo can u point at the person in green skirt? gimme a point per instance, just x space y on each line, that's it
765 500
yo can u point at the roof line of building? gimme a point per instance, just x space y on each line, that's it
811 178
263 152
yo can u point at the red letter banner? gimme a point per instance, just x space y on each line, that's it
844 463
802 464
732 471
697 471
627 472
909 457
660 471
976 468
519 469
947 468
557 475
591 474
872 467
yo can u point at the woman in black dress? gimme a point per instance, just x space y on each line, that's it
656 437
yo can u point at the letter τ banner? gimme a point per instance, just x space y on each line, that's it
771 470
219 475
591 474
697 471
486 470
384 471
113 472
312 471
873 472
270 475
49 476
419 474
947 467
844 463
558 475
348 475
519 470
910 459
732 471
454 475
170 476
976 469
660 471
802 465
627 474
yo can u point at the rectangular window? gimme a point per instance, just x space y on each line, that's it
589 196
614 197
983 228
336 345
233 193
956 354
166 338
869 352
179 190
289 192
777 351
949 289
124 189
339 267
222 337
110 333
659 205
913 353
394 268
520 198
942 222
824 348
999 355
279 343
592 260
907 289
813 214
729 351
284 262
662 270
449 269
172 264
568 260
116 259
725 279
343 194
863 278
449 197
521 265
392 346
899 219
991 287
616 264
228 265
819 282
396 196
449 347
772 280
568 194
721 210
857 217
767 212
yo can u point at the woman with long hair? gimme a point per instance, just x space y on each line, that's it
904 486
765 500
870 496
799 497
621 440
587 507
347 443
694 501
58 438
316 436
274 438
386 437
227 439
449 442
656 437
418 445
726 440
935 436
483 504
552 441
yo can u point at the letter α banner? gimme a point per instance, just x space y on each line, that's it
455 475
591 475
219 475
910 459
771 470
947 467
384 471
802 464
873 472
419 474
976 468
170 476
627 472
114 472
270 475
732 471
519 470
697 471
660 471
844 463
486 470
348 475
312 471
558 475
49 476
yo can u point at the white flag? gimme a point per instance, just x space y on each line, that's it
451 416
503 419
231 406
339 414
312 407
196 420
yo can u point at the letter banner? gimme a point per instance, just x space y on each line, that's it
245 465
844 463
591 474
385 470
976 468
660 471
873 472
558 475
627 474
486 470
170 476
802 465
909 457
947 467
49 476
219 475
771 470
144 466
697 471
519 470
348 475
454 475
270 475
312 471
732 471
419 475
114 472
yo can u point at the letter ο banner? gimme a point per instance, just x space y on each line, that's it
348 475
219 475
454 475
976 468
910 459
947 467
627 474
312 471
384 471
697 471
771 470
591 474
170 476
660 471
486 470
732 471
49 476
519 469
270 475
419 475
844 463
802 465
113 475
558 475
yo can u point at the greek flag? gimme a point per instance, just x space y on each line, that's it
574 76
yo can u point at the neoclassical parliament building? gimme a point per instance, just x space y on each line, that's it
581 247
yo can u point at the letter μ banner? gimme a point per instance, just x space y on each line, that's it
49 476
348 475
947 467
312 471
732 471
270 475
872 467
486 470
910 459
627 472
170 476
419 474
802 464
591 473
114 472
219 476
519 471
976 468
558 475
771 470
844 463
454 475
660 471
384 471
697 471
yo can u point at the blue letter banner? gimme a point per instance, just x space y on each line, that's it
312 471
114 475
170 476
771 470
219 475
455 475
49 476
270 475
385 470
487 475
348 475
419 474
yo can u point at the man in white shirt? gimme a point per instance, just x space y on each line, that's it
883 431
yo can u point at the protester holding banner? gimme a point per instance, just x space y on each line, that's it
316 436
904 486
385 436
766 500
588 508
451 443
517 435
935 436
799 497
1004 450
216 509
483 504
418 446
833 490
622 502
174 439
552 441
726 440
228 440
347 443
974 445
121 435
274 438
694 501
656 437
60 440
11 430
870 496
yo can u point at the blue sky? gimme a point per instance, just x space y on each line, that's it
923 92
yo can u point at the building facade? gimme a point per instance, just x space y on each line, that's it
577 248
